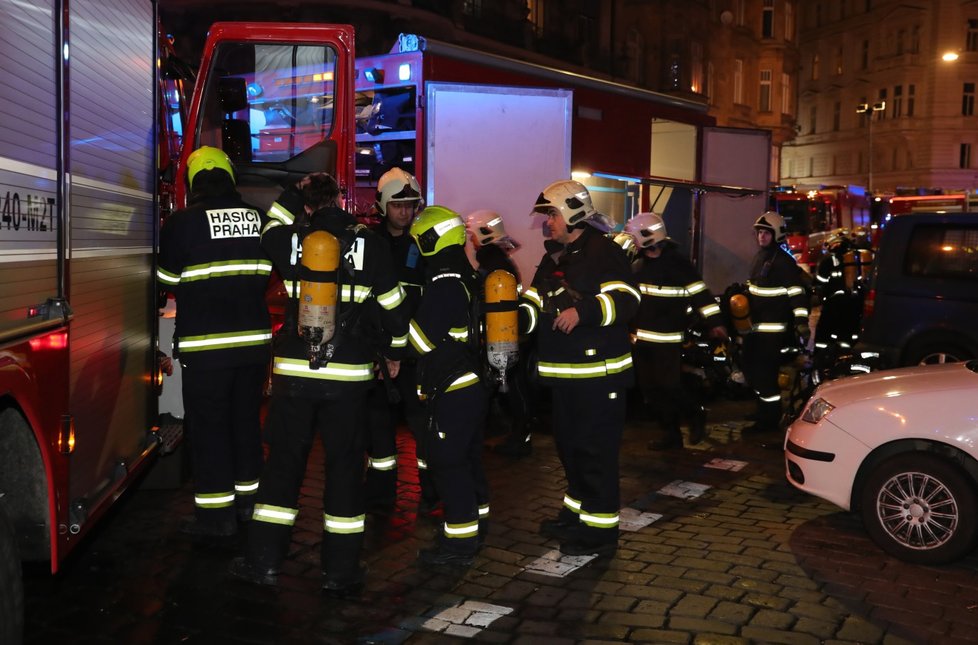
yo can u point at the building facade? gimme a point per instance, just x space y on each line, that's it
886 96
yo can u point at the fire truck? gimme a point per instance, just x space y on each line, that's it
81 197
478 130
811 215
959 202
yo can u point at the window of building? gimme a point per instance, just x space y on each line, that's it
818 14
910 99
710 89
843 9
968 100
815 65
696 68
789 21
739 9
862 114
812 116
764 102
881 114
535 14
915 40
472 8
738 85
838 61
864 61
964 159
767 19
785 94
897 101
836 116
971 41
901 38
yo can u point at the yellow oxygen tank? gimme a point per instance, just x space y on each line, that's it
502 323
740 312
856 266
317 293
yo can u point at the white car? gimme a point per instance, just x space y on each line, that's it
901 448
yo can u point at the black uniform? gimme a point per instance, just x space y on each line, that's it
329 400
441 334
838 322
211 260
384 406
778 300
670 286
589 369
490 257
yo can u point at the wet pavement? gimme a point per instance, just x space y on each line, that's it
716 548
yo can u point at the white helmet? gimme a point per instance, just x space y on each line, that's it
773 222
570 198
487 227
648 229
396 185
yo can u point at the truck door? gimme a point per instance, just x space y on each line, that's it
278 99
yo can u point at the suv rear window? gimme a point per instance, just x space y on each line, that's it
942 251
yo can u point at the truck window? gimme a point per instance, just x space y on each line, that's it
940 251
386 131
269 102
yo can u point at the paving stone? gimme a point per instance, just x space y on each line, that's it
765 635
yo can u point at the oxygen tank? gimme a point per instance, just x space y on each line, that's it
502 323
856 265
317 293
740 312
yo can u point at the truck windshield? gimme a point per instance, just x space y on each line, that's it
803 216
267 103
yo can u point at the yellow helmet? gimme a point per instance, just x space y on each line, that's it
207 158
437 228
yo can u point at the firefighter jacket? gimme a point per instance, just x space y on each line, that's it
592 275
365 273
409 265
490 258
211 260
670 286
829 277
777 291
442 332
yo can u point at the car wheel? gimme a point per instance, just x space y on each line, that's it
920 508
12 588
936 353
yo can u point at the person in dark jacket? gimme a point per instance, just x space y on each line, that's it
579 304
320 387
492 247
211 260
398 202
669 285
443 334
778 300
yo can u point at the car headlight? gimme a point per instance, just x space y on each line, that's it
816 410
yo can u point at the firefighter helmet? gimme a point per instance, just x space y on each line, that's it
648 229
771 221
207 158
570 198
396 185
487 227
436 228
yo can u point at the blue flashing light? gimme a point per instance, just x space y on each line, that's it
374 74
404 72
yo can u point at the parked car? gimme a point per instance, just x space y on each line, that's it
899 447
922 301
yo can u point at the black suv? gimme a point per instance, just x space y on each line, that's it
922 303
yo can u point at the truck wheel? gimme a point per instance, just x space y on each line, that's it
11 585
920 509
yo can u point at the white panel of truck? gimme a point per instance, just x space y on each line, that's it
497 147
732 157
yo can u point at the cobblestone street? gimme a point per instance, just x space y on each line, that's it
716 548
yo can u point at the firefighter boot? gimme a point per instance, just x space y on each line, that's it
243 570
380 491
343 573
561 527
451 554
586 540
697 425
516 444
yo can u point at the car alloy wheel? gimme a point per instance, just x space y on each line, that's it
918 507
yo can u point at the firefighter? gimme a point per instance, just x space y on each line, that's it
669 285
838 321
211 260
398 202
444 334
579 303
778 300
492 248
321 372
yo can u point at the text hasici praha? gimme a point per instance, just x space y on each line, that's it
233 222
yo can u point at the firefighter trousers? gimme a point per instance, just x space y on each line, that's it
658 369
589 420
761 365
222 418
290 429
455 462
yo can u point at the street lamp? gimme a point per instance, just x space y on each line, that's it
869 109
